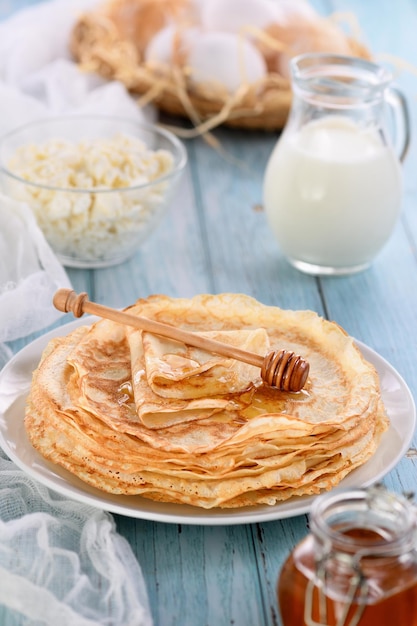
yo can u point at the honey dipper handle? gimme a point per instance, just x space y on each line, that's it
67 300
280 368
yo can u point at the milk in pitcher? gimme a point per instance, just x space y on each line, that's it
332 194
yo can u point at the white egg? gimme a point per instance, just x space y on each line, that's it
161 47
233 15
225 58
195 9
299 7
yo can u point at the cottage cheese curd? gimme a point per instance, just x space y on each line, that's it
93 199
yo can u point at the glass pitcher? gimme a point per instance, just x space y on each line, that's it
358 565
333 183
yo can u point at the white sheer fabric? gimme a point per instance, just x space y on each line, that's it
30 274
38 77
62 563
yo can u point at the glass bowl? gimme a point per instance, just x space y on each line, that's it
97 185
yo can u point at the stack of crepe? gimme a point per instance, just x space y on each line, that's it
133 413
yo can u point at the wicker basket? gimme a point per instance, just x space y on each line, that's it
97 45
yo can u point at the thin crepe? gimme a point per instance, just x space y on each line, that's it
82 413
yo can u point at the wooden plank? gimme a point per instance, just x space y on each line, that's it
273 543
8 7
244 256
197 575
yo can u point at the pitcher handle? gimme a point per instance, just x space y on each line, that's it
398 103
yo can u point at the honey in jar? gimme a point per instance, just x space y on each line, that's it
358 565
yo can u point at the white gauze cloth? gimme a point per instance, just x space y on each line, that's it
30 273
62 563
38 76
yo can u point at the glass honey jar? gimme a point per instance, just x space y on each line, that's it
358 565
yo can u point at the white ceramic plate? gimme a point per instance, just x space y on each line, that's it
14 386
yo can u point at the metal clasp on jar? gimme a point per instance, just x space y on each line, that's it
358 590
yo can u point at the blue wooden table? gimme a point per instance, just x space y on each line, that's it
215 239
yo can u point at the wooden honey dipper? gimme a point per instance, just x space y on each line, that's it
281 369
